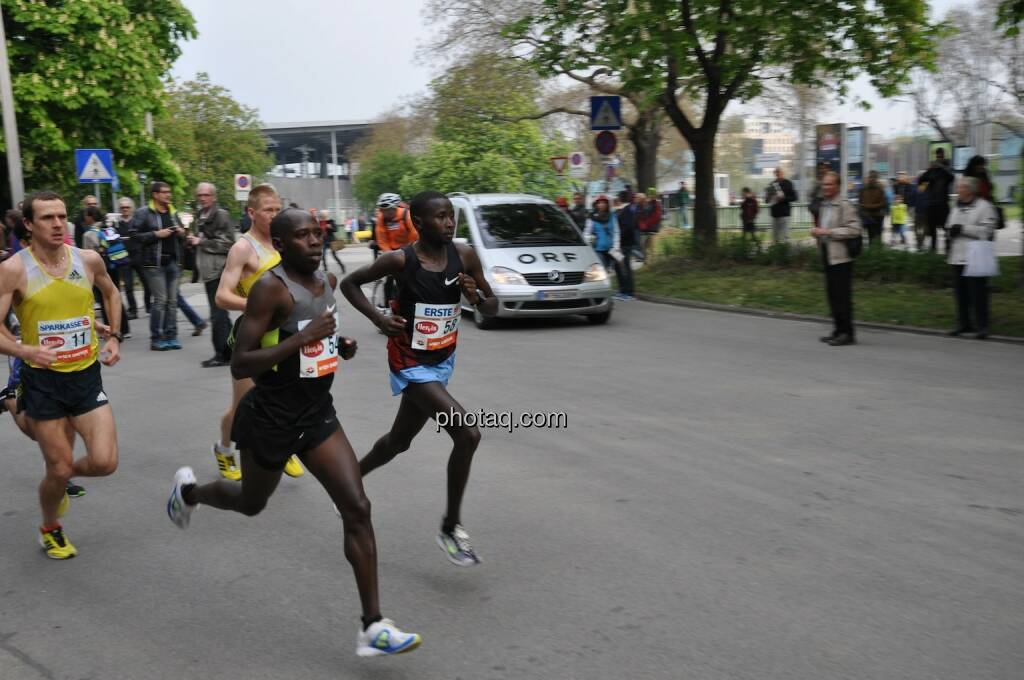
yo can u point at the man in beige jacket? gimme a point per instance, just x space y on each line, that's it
837 224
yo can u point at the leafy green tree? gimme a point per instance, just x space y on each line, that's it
211 137
85 74
717 52
480 143
382 171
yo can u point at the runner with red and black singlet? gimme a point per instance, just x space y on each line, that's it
287 343
433 274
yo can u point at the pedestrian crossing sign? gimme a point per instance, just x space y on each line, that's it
94 166
606 113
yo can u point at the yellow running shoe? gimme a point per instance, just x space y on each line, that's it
226 464
56 545
65 503
293 468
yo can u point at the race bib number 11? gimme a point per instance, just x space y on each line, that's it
435 326
70 338
319 358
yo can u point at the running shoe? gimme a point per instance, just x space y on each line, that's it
56 545
158 346
74 490
65 503
457 548
293 468
226 464
177 509
383 638
172 344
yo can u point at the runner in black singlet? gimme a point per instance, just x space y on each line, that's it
433 274
287 343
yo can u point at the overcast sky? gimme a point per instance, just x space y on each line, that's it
306 60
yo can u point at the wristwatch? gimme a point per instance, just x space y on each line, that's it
480 297
117 336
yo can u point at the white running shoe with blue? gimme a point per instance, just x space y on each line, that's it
178 510
457 548
384 638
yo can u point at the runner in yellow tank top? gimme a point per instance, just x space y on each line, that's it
50 285
251 256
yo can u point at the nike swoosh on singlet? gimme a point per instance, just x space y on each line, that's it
448 283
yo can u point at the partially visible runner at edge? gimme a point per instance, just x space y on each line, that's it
9 396
287 341
393 230
51 287
433 273
251 256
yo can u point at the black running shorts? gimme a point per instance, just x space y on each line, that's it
48 395
271 443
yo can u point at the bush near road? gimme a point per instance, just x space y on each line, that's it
890 286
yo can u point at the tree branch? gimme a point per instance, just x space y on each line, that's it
545 114
702 56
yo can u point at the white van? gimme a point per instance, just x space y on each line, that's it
533 256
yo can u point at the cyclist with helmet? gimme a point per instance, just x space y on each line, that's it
393 230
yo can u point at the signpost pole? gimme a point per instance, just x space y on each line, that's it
14 173
334 175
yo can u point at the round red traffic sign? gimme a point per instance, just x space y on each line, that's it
606 141
242 182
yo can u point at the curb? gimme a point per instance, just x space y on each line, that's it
792 316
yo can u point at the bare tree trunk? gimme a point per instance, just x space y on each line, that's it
645 134
705 213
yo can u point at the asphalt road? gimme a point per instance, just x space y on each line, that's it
731 499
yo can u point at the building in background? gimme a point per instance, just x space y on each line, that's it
771 143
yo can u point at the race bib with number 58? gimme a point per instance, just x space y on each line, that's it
435 326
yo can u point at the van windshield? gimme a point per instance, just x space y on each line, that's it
512 225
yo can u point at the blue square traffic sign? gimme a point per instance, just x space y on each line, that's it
605 113
94 166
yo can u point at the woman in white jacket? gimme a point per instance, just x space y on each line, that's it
973 219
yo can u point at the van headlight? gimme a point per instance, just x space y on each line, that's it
595 273
507 276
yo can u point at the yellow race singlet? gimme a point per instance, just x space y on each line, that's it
268 259
58 313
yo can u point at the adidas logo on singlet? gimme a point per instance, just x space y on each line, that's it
74 275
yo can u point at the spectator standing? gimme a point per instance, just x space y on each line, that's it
683 199
328 228
161 235
782 195
934 187
124 226
604 228
649 222
578 211
873 205
899 219
92 239
837 225
976 167
628 219
563 204
79 219
748 213
213 238
973 220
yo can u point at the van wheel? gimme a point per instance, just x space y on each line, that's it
598 319
483 322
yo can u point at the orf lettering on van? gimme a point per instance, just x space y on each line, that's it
527 258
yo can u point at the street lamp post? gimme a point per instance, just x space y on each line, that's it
14 175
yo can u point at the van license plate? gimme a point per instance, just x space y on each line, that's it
556 294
